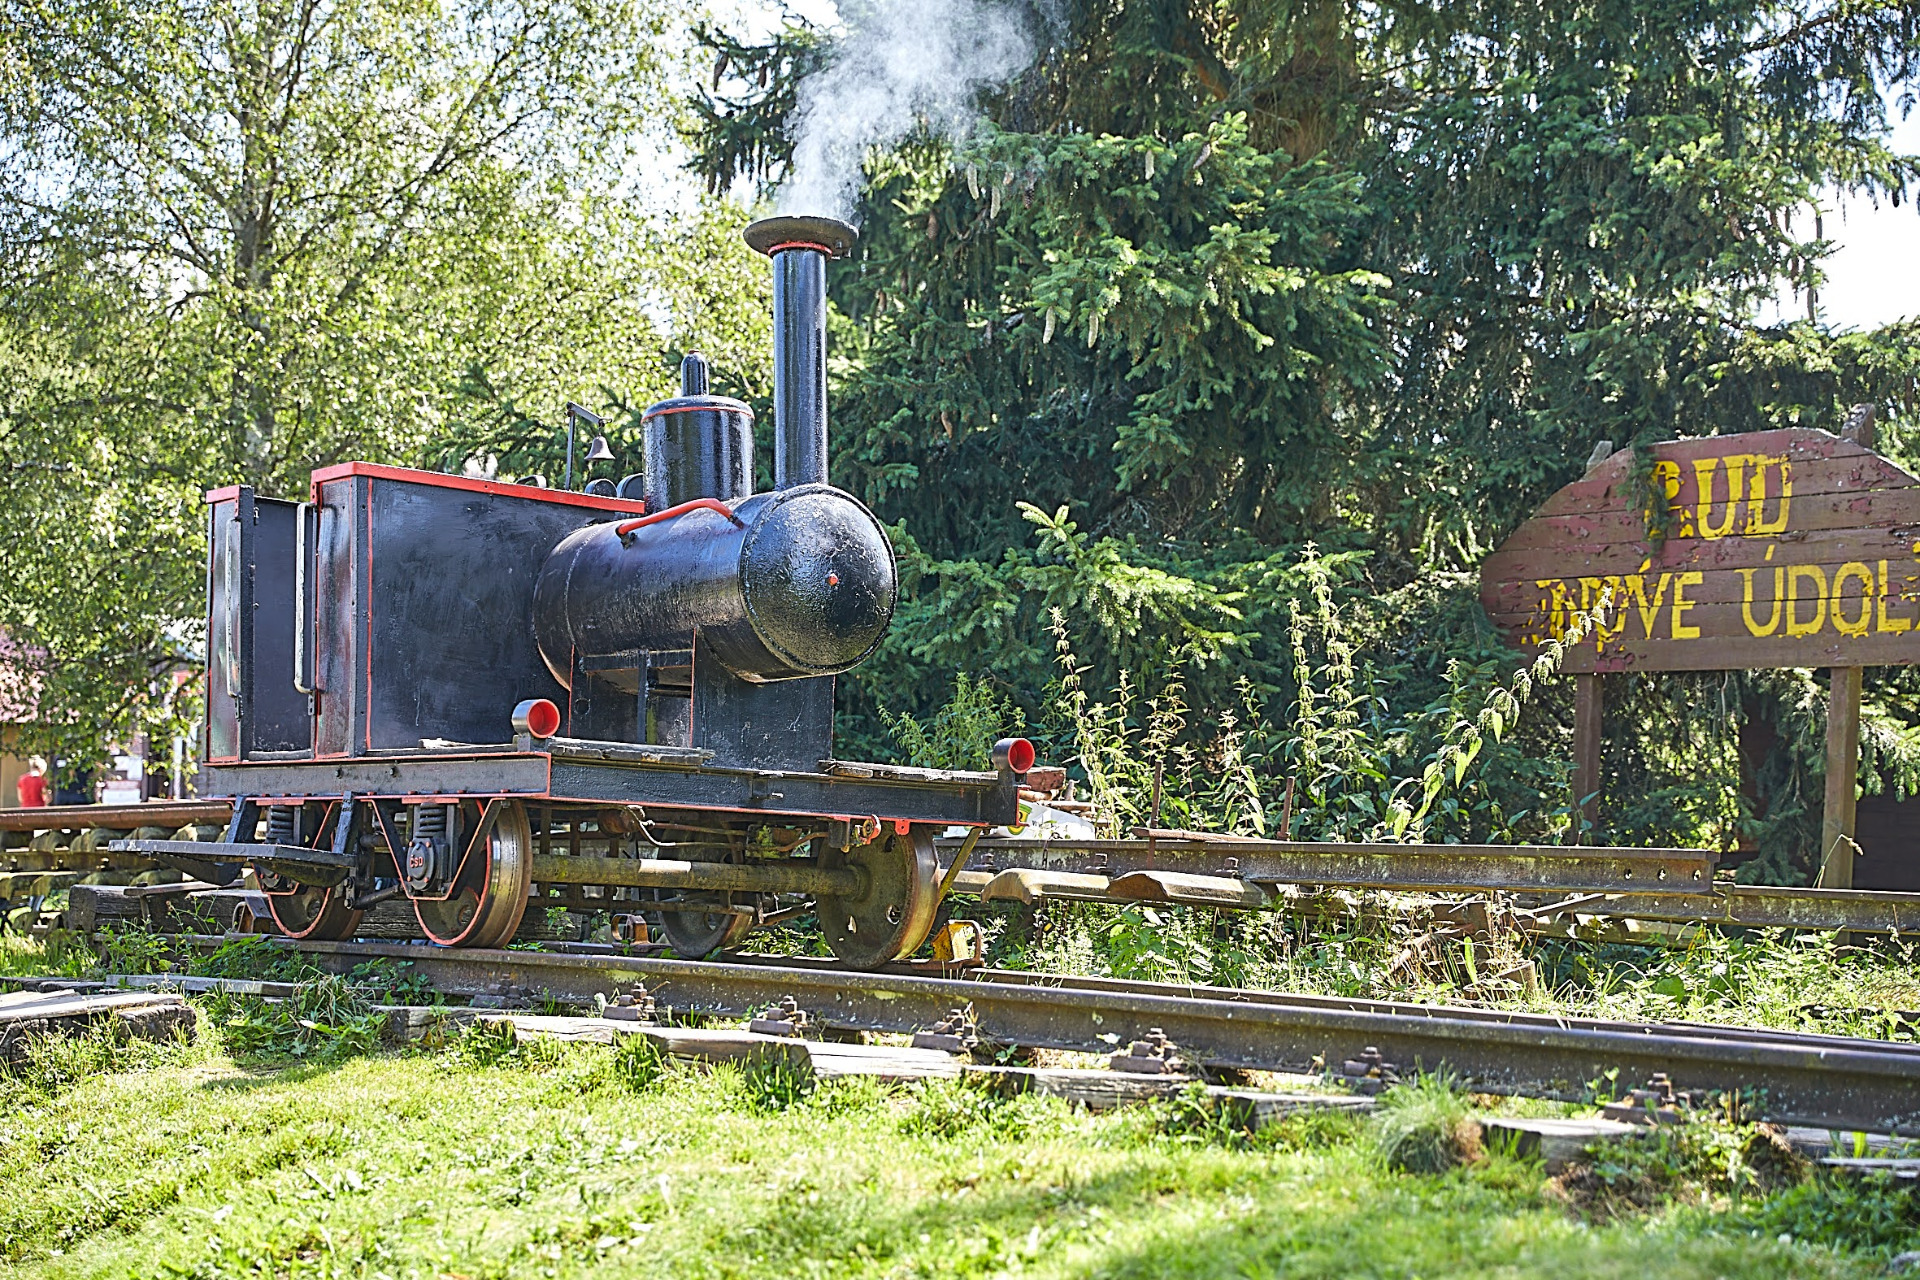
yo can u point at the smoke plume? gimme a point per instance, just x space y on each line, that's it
905 65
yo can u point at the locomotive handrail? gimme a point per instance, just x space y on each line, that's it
303 679
708 504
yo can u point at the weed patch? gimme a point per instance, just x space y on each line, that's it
495 1043
53 1062
1312 1130
326 1020
128 950
637 1065
851 1095
1426 1126
1697 1163
1191 1116
769 1085
1871 1214
948 1108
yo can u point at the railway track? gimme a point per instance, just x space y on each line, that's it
1178 868
1788 1077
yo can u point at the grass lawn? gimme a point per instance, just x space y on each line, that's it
481 1161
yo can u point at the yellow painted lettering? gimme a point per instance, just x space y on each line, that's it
1553 603
1666 477
1610 623
1746 602
1592 590
1757 522
1795 576
1649 610
1703 470
1853 626
1683 630
1892 626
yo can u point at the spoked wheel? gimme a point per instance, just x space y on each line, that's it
313 913
695 935
895 914
489 893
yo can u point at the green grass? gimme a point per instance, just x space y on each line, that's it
488 1161
278 1146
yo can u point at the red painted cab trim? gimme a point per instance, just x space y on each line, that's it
227 494
471 485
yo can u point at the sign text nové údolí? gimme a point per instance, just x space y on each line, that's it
1781 549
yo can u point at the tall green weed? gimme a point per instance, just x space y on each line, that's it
1338 763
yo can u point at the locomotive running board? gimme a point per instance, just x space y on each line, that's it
637 775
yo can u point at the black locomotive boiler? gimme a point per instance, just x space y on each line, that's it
476 696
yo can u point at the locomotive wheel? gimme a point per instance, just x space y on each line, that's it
695 935
489 895
895 914
313 913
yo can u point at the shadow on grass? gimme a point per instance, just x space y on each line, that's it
262 1072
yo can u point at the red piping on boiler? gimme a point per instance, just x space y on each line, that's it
706 504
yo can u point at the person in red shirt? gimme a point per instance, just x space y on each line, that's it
33 786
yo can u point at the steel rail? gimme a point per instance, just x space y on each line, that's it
1678 898
116 817
1428 867
1791 1078
1763 907
1667 885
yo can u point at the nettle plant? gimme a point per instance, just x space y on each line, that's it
1341 765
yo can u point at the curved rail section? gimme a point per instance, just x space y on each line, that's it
1787 1077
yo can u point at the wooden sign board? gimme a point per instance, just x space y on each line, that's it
1781 549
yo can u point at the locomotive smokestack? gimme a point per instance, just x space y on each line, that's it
800 247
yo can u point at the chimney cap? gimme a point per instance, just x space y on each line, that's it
769 234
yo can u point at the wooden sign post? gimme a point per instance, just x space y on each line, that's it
1788 548
1588 715
1843 775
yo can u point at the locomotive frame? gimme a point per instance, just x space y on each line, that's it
664 653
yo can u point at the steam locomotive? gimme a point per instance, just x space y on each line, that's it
480 696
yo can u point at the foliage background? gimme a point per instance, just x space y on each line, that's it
1237 332
1215 282
241 239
